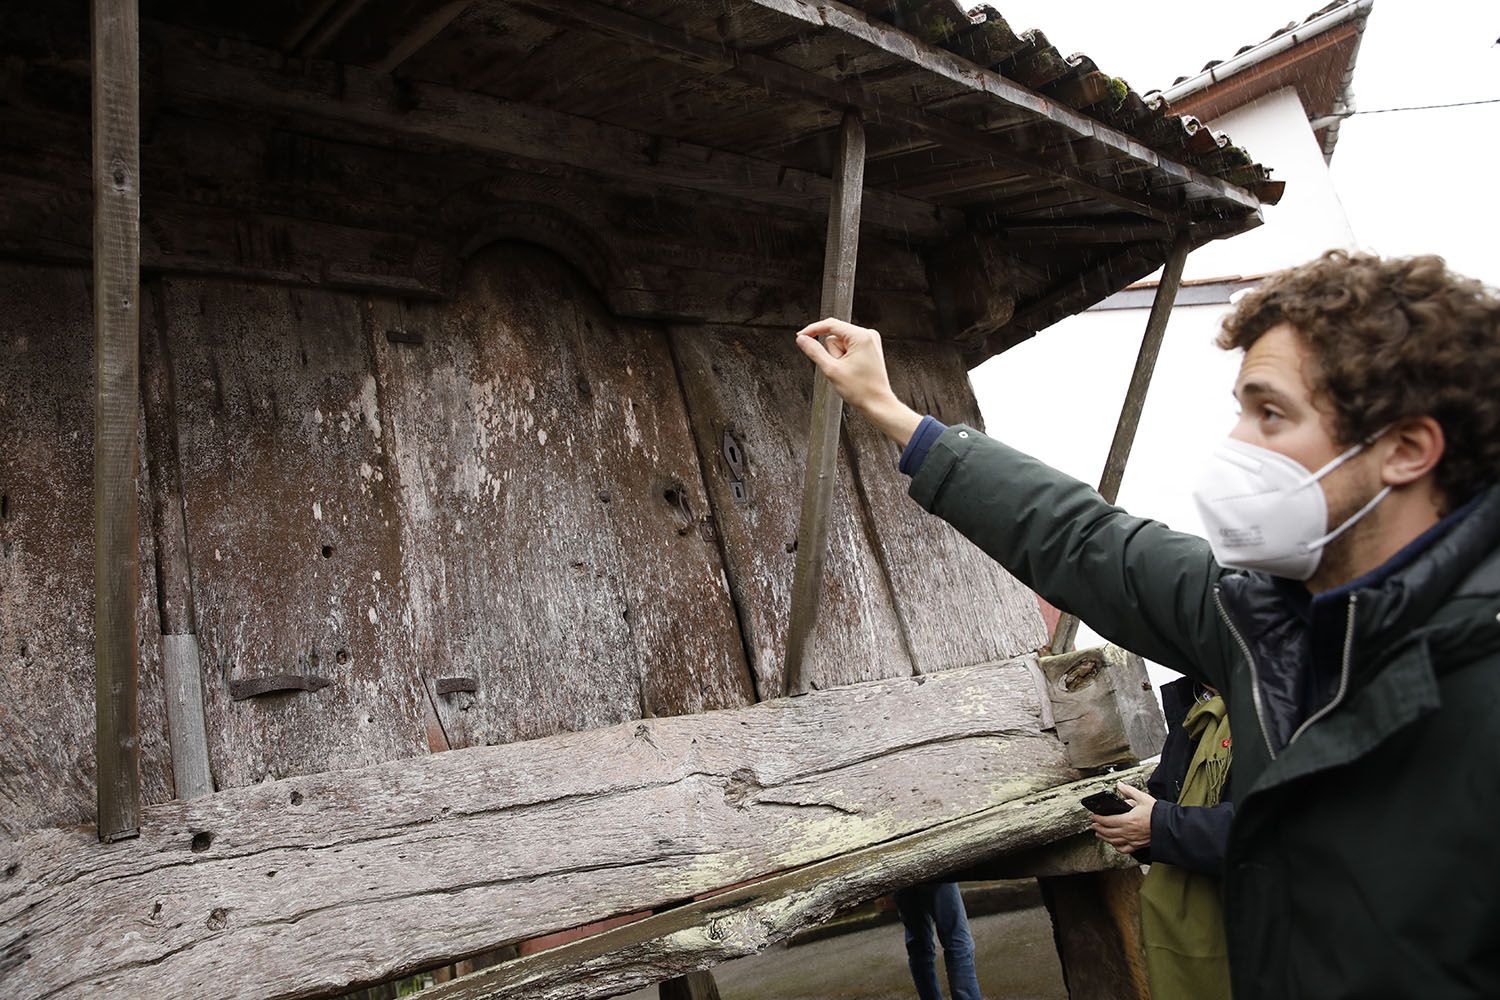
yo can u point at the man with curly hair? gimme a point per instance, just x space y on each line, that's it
1346 604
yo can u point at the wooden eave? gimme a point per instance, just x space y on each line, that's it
1315 69
744 98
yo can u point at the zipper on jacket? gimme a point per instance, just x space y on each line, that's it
1260 712
1348 658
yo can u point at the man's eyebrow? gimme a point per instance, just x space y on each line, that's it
1260 390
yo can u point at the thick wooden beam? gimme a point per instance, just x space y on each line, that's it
117 266
361 104
1103 708
1066 631
749 919
417 33
840 249
335 881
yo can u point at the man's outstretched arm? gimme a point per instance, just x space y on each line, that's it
1138 583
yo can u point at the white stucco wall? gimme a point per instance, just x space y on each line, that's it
1309 218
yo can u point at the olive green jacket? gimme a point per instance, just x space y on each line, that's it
1364 860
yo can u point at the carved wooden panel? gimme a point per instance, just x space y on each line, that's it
47 772
555 535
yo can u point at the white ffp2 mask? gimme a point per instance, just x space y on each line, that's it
1264 511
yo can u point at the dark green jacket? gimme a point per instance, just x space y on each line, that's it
1364 860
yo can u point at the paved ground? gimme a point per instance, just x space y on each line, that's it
1013 951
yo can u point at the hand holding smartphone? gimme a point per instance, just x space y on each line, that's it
1106 803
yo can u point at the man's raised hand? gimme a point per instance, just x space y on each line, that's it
854 364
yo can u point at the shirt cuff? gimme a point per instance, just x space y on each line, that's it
928 431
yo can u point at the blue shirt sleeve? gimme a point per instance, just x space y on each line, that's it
928 431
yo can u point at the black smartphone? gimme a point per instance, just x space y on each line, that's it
1106 803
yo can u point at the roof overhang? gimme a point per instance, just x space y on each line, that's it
1315 58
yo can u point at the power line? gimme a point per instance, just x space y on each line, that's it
1427 107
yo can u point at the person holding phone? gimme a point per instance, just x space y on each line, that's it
1180 827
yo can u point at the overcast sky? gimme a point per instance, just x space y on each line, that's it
1414 182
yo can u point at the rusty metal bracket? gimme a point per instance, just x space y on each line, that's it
405 337
455 685
255 687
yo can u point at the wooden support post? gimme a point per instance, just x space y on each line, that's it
116 167
827 408
693 986
1066 632
1096 921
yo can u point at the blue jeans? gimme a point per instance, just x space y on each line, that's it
938 904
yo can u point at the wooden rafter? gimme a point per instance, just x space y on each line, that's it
357 103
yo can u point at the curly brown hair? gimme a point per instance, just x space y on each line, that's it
1394 338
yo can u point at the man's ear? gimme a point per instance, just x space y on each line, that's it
1416 446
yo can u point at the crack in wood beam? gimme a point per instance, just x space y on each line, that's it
747 920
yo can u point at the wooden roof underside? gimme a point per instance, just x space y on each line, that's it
970 126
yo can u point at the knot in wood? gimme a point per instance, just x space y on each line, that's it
1081 674
740 786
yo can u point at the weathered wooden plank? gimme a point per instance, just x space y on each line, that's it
331 881
841 247
117 287
556 539
754 388
957 605
1076 855
47 770
748 920
291 520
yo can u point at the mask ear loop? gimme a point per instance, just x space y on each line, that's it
1318 543
1354 518
1338 460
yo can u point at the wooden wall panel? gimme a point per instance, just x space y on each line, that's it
958 605
554 524
291 529
759 387
47 775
